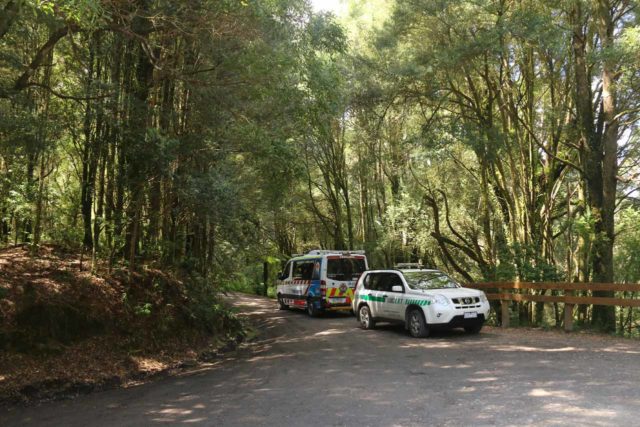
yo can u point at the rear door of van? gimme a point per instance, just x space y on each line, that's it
300 282
341 275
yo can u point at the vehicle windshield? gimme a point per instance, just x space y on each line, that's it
345 268
423 280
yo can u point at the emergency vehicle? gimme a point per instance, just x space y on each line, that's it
422 300
320 280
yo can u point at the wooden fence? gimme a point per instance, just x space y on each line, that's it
506 292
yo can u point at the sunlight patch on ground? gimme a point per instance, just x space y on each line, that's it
331 332
620 350
485 372
430 345
247 313
436 366
272 357
187 398
540 392
535 349
175 411
577 410
483 380
148 365
246 303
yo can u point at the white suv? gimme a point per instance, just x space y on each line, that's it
421 299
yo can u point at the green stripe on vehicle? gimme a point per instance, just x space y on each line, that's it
421 302
394 300
372 298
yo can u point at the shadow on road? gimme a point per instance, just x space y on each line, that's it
327 371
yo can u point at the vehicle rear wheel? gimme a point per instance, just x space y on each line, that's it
473 329
417 324
312 310
365 318
281 304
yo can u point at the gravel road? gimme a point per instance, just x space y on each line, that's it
328 372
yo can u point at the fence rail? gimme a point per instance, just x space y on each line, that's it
505 292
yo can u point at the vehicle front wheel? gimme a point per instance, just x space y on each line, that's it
365 318
312 310
281 304
473 329
417 324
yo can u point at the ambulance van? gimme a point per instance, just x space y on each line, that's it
322 280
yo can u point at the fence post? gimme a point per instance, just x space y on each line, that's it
568 313
504 304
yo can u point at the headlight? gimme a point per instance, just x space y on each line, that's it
441 299
483 297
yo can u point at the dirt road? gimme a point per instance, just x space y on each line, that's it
328 372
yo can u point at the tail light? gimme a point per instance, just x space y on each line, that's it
323 287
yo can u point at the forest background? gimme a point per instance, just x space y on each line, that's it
496 140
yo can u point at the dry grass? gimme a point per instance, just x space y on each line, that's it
126 347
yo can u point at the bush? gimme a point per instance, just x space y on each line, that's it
204 310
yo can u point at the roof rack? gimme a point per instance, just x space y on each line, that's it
409 266
331 251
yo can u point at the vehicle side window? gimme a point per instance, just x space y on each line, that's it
345 268
303 270
388 281
366 283
395 280
286 271
374 281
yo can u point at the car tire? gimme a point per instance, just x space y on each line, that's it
473 329
365 318
312 310
282 305
417 324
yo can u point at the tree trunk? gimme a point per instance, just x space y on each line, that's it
600 152
604 316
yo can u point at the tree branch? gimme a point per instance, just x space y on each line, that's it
70 97
8 15
23 80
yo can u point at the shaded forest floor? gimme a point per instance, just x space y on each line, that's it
64 331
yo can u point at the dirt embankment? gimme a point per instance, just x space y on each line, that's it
65 330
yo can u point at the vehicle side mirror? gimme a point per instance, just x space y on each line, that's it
397 288
281 276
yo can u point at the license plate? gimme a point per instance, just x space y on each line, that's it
471 315
338 300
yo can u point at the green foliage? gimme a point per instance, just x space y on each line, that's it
326 35
204 310
628 247
143 309
88 13
524 263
